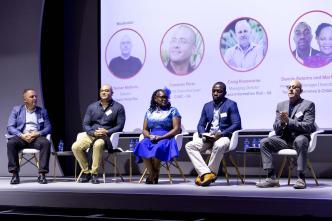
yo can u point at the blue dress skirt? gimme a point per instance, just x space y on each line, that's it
164 150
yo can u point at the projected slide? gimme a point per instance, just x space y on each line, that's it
254 47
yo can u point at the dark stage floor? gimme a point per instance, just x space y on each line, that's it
178 201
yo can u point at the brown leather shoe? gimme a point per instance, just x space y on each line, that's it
208 178
198 181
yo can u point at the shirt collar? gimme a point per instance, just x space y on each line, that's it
251 46
27 110
110 103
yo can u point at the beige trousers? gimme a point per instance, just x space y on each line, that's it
79 148
195 147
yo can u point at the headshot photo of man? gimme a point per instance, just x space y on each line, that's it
243 44
125 65
302 37
184 51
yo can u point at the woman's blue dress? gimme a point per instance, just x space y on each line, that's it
159 122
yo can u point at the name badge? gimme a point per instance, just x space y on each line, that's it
108 112
41 120
299 114
223 114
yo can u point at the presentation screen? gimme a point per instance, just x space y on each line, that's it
255 47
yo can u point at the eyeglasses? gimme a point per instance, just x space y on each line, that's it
293 87
162 97
181 41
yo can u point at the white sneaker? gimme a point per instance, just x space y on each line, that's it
268 182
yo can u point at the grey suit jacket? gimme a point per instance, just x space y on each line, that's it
301 122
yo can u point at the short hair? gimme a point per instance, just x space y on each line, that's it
222 84
242 22
125 38
26 90
304 24
321 27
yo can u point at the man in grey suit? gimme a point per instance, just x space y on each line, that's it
295 120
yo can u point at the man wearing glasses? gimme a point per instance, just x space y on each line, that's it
182 47
295 120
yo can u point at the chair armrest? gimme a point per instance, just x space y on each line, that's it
272 133
49 138
115 139
234 140
141 137
179 140
313 140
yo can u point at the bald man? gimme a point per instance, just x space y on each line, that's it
125 66
294 122
181 49
101 119
245 55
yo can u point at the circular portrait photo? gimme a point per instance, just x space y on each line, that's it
310 39
243 44
182 49
125 53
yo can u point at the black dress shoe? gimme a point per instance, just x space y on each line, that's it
85 178
94 179
15 179
149 180
42 179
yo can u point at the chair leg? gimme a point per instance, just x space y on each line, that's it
113 163
20 159
79 176
143 175
114 166
36 160
54 167
312 171
168 173
130 168
290 168
282 167
75 168
116 169
236 168
103 167
225 169
207 159
180 170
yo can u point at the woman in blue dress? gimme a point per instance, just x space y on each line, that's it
161 123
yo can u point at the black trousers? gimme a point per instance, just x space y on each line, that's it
16 144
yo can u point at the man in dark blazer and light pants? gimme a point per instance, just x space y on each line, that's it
219 119
295 120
